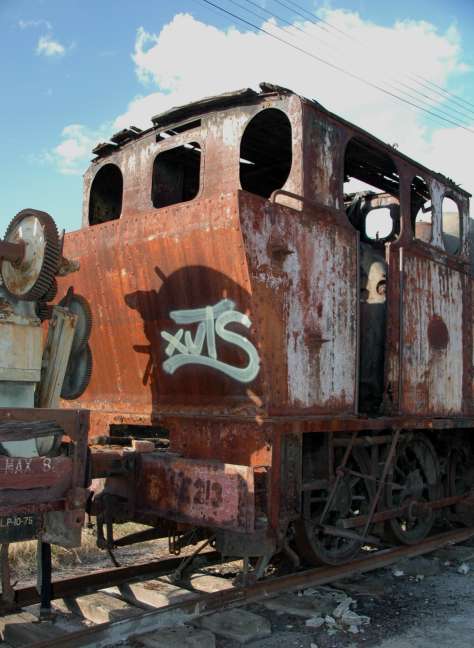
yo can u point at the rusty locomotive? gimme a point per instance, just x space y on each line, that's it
282 342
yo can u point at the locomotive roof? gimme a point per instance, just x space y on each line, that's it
247 96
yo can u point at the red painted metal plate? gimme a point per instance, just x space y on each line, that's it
196 492
36 472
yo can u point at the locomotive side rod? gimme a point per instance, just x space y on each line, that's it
417 508
107 634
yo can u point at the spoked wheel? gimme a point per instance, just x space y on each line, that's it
352 498
413 480
460 479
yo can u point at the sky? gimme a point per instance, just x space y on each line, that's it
73 73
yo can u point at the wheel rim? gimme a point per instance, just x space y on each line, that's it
32 278
352 499
414 479
460 480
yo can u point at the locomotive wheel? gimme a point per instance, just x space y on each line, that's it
460 479
352 498
416 473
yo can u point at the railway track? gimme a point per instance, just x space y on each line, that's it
133 614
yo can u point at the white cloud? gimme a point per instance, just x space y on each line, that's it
189 59
41 22
47 46
71 155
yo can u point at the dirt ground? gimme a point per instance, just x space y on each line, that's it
420 603
74 562
426 602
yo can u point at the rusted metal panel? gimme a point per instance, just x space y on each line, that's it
137 273
53 473
308 258
323 145
230 442
291 455
206 493
33 487
218 134
138 270
432 337
294 275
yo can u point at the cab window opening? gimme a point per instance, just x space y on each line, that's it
176 175
421 209
378 224
266 152
371 192
451 226
105 199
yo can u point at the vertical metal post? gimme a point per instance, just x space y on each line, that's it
8 595
44 578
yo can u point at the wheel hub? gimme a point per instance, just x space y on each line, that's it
343 499
414 485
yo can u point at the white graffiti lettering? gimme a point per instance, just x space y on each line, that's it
182 349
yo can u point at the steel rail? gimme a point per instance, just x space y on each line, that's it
101 578
107 634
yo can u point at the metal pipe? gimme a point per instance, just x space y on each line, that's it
13 252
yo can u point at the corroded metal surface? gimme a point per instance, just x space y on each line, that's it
234 320
432 337
197 492
135 273
291 272
32 488
304 272
30 277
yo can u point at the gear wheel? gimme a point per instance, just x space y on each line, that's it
42 311
78 374
79 306
32 277
51 293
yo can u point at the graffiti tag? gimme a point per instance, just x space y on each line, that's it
183 349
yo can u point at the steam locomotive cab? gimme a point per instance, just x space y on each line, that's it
271 329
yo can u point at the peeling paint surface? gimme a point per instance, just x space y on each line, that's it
200 492
316 260
432 374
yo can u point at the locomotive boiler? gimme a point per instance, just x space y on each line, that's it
282 344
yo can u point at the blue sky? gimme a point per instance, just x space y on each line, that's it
66 64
